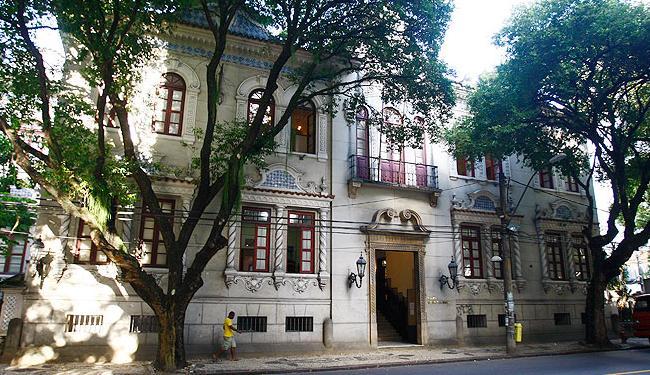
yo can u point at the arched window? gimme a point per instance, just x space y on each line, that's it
392 156
362 131
303 129
362 148
169 108
254 102
422 177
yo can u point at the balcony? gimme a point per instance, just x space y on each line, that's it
393 174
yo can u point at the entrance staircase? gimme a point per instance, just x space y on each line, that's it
385 331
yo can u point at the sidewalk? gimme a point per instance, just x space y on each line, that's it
330 361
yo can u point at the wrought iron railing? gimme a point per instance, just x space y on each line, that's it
394 172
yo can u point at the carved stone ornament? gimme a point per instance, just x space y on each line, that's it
481 200
300 284
558 287
254 282
389 220
284 177
495 286
560 210
472 287
251 283
464 309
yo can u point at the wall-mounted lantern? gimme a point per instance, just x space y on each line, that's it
361 271
453 276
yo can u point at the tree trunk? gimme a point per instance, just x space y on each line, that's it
595 328
171 345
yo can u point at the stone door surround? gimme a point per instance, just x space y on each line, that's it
393 231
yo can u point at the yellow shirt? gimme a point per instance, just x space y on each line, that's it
227 332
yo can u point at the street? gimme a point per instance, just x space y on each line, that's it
614 362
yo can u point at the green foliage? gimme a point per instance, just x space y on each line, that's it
576 71
16 215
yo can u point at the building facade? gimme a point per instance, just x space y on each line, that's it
333 192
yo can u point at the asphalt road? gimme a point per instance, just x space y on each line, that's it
635 362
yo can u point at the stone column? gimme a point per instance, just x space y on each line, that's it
232 244
280 248
516 257
458 249
486 244
541 243
322 246
230 271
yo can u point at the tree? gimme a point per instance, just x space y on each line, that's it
16 215
577 72
344 46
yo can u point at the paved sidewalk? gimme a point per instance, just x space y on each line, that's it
302 363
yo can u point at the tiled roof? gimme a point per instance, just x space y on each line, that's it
242 25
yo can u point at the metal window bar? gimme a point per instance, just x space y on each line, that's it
393 172
84 323
144 324
251 323
562 319
299 324
476 321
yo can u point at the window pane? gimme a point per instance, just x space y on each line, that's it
176 105
161 260
158 127
177 95
261 253
173 128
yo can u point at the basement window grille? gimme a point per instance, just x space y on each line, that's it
299 324
476 321
144 324
251 323
562 319
502 319
84 323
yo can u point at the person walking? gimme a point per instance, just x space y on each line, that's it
229 342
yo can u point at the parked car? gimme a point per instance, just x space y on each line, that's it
641 316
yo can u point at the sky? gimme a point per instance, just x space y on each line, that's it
468 47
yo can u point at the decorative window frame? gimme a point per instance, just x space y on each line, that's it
282 96
465 213
559 184
192 90
548 220
281 202
480 172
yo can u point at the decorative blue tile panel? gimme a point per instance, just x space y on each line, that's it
241 60
242 25
484 203
280 179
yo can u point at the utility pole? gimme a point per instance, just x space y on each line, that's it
506 268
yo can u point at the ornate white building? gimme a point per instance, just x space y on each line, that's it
333 192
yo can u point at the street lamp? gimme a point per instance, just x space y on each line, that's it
361 270
453 276
508 296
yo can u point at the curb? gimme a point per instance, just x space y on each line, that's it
415 362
